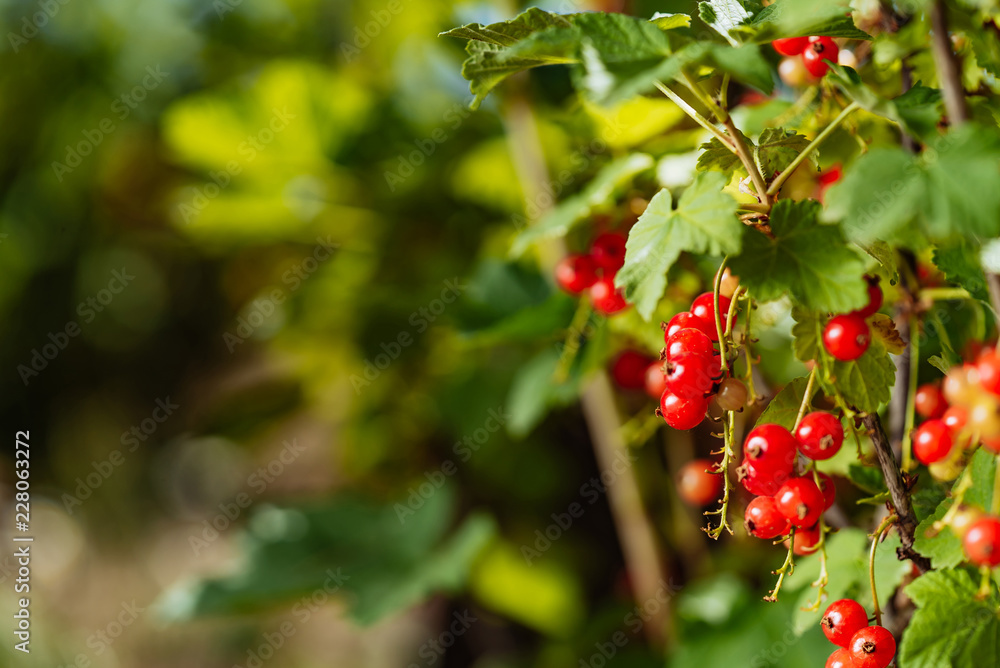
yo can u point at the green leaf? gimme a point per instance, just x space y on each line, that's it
507 33
866 478
784 408
379 558
670 21
723 15
883 254
918 111
952 626
960 264
716 157
808 334
948 191
807 260
598 193
801 18
704 222
865 383
776 149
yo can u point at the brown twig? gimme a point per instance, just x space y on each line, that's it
949 72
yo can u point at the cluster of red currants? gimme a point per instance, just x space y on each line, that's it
783 500
961 412
595 272
845 623
691 367
815 52
847 335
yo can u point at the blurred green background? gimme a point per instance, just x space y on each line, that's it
256 307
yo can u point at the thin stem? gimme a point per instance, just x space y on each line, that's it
985 582
727 455
911 397
572 344
720 114
695 116
949 71
724 92
939 294
787 568
886 523
755 207
813 145
718 323
737 293
748 162
824 576
805 400
995 502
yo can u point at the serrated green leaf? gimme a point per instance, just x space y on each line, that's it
598 193
723 15
507 33
776 149
704 222
886 191
670 21
866 478
952 626
960 264
865 383
801 18
717 157
807 260
883 254
808 334
784 408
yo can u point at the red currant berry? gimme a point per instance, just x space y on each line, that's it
932 442
829 490
846 337
691 375
606 298
981 542
872 647
817 53
820 435
874 300
929 401
840 658
830 176
955 418
681 413
697 485
763 519
576 273
806 541
842 620
629 370
790 46
801 501
608 250
690 341
732 395
704 307
757 483
684 320
771 450
989 371
656 380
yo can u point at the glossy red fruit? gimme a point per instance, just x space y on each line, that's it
829 490
576 273
690 341
697 485
656 380
683 413
806 541
842 620
929 401
840 658
760 484
790 46
691 375
629 370
988 367
771 449
872 647
801 501
820 435
608 251
704 307
818 55
763 520
932 442
846 337
955 418
685 320
982 542
605 297
874 300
